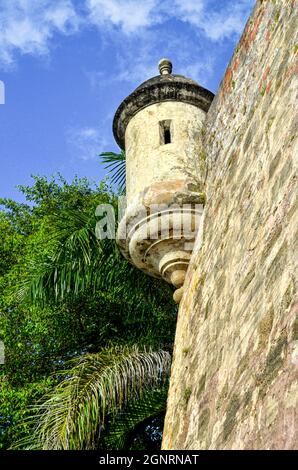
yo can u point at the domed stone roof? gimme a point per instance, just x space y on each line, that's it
163 87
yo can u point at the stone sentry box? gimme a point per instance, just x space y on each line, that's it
159 127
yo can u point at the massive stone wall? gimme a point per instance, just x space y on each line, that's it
234 382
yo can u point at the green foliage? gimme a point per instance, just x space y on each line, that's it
115 164
15 408
97 386
139 415
64 294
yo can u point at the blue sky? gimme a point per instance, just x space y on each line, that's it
67 64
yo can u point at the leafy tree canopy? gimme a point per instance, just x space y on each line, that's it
103 301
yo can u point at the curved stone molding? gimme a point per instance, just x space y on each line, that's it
157 90
160 243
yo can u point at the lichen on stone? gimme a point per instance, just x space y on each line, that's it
230 417
186 396
204 419
201 386
273 364
265 328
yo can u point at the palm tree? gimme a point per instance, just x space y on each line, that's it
81 262
97 401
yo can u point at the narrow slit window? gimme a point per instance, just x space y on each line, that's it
167 136
165 132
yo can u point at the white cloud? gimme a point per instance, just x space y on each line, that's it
187 9
137 61
129 15
140 34
27 26
201 70
137 29
86 143
217 21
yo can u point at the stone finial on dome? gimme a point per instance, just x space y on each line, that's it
165 66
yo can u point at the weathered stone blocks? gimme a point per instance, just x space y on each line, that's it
238 315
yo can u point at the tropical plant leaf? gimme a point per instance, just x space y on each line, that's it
98 387
120 431
80 262
115 164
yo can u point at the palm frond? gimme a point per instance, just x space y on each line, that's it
115 164
69 268
81 262
99 386
119 432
